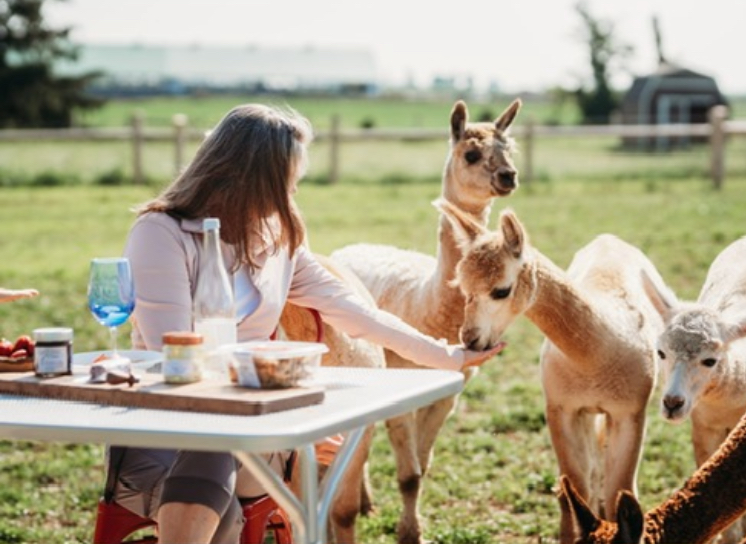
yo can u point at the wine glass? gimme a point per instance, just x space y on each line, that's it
111 293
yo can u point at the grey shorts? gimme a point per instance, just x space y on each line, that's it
147 478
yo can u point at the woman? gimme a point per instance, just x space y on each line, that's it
245 173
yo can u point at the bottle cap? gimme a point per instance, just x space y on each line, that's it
182 338
210 223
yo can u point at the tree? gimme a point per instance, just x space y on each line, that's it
31 94
598 103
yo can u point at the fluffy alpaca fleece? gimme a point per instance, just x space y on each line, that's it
710 500
703 358
416 287
598 359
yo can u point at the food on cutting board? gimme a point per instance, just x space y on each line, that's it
109 363
19 351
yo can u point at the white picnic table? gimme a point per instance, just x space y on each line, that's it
354 399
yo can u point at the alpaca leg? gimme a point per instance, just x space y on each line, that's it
572 436
366 496
430 421
623 453
401 431
346 505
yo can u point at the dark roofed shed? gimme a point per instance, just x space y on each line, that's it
671 94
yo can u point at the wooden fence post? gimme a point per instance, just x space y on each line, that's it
718 115
137 145
334 150
180 121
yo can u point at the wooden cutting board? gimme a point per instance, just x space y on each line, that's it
152 392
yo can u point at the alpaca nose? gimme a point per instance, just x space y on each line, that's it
507 178
673 403
470 339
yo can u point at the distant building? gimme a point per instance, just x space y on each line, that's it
671 94
149 69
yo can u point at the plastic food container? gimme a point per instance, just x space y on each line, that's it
273 364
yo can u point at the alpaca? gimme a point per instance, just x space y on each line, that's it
703 356
711 499
416 287
598 357
353 496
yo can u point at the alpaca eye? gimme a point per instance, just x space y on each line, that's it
661 354
472 156
497 294
709 362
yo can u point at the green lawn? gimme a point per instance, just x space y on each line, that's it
493 477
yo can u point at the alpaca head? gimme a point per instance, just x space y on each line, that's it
590 529
693 353
479 166
494 274
692 349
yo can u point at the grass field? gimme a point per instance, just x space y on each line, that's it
494 475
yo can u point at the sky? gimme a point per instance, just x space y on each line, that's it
519 45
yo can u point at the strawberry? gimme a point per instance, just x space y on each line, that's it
25 343
6 347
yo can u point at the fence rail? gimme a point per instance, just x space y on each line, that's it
716 131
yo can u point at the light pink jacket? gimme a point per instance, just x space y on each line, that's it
164 253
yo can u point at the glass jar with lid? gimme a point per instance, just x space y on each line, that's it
183 356
53 351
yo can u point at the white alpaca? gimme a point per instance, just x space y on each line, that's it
703 357
711 500
416 287
598 358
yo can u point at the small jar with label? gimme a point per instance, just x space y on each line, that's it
183 357
53 351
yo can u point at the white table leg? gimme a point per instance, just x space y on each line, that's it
334 475
268 478
309 515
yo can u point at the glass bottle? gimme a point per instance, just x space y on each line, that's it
214 311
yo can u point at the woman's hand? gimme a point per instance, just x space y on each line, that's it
478 358
8 295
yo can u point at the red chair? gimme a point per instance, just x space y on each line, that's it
114 523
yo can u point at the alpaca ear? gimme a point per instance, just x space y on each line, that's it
630 519
663 299
571 502
465 228
459 117
507 117
735 329
513 232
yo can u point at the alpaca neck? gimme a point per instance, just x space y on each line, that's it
563 313
709 501
446 319
478 207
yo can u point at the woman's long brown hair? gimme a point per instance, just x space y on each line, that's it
242 174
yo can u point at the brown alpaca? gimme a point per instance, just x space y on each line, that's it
416 287
711 500
598 358
353 496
